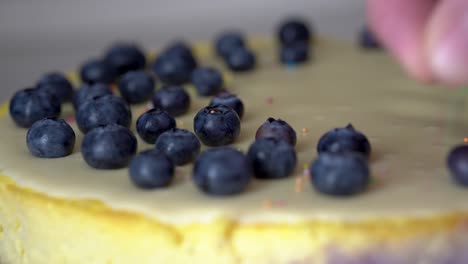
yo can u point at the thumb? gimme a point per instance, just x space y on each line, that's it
447 42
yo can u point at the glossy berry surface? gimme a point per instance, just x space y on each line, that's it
102 111
97 71
222 171
226 42
30 105
56 84
272 158
151 169
277 128
294 53
151 124
367 40
173 67
217 125
50 138
172 99
241 60
231 100
125 57
457 162
87 92
340 174
183 50
345 139
136 87
109 147
294 31
180 145
207 80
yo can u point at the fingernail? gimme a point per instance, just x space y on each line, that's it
449 54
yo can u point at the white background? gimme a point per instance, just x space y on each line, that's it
37 36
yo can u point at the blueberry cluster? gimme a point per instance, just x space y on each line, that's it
232 48
341 168
295 38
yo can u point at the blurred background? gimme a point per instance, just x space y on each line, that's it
37 36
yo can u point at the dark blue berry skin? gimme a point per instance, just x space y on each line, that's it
102 111
173 68
125 57
207 80
293 31
136 87
227 42
30 105
278 129
180 145
457 162
172 99
151 169
56 84
109 147
231 100
183 50
222 171
50 138
340 174
272 158
367 40
217 125
294 53
151 124
97 71
241 60
345 139
87 92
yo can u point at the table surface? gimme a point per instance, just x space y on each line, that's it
45 35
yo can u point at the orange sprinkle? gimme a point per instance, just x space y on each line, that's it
267 204
269 100
305 130
299 184
465 140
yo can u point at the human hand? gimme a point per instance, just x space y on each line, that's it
428 37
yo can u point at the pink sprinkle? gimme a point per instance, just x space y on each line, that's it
306 172
70 119
280 203
269 100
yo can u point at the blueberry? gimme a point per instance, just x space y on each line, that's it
180 145
172 99
151 169
294 53
457 162
346 139
231 100
241 60
340 174
87 92
207 80
217 125
367 39
227 42
151 124
97 71
108 147
30 105
101 111
222 171
175 64
50 138
272 158
183 50
294 30
125 57
136 87
56 84
277 128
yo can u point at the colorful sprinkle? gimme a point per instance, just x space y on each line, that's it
267 204
70 119
465 140
280 203
149 106
305 131
305 166
299 184
269 100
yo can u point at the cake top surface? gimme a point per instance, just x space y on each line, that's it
409 125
